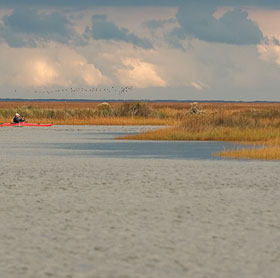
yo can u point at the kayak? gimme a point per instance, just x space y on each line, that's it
24 124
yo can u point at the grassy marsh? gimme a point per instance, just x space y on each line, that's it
247 125
263 153
223 125
90 113
254 123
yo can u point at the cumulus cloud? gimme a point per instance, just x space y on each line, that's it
205 66
139 74
28 28
87 2
156 24
103 29
270 51
234 27
48 67
276 41
272 3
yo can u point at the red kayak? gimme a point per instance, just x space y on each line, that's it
24 124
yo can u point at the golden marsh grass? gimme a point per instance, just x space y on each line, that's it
88 113
263 153
257 123
248 135
103 121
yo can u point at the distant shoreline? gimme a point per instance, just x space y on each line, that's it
131 100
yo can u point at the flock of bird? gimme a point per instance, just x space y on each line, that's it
112 89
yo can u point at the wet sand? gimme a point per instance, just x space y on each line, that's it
67 214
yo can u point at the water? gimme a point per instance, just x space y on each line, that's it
77 203
100 141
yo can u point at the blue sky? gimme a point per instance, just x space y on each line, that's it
227 50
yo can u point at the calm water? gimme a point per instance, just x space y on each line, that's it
75 202
146 149
100 141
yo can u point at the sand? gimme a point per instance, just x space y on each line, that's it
67 214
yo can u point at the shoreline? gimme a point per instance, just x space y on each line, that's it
249 123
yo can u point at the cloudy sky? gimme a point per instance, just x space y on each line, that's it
179 49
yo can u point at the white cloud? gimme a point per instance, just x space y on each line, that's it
212 69
52 66
269 52
139 74
267 19
198 85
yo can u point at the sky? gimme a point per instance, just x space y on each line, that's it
180 49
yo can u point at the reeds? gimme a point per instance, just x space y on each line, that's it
102 121
257 123
256 126
135 113
213 134
247 126
264 153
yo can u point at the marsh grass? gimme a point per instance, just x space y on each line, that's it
132 113
257 123
252 127
224 126
107 121
99 121
215 134
264 153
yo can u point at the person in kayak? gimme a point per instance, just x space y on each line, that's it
18 118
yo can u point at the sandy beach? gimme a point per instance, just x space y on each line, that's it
69 213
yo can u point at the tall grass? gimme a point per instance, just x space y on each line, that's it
105 121
123 114
234 134
257 127
223 126
264 153
257 123
127 109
